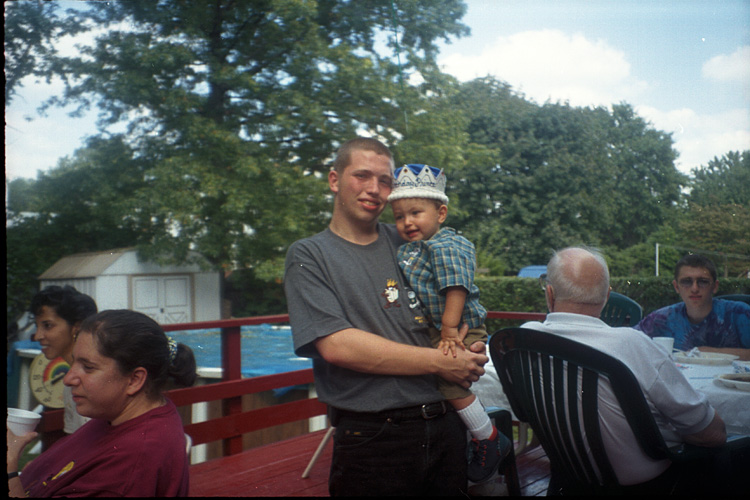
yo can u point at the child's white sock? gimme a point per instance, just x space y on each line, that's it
477 421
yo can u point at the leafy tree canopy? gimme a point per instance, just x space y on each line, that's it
541 177
232 107
724 180
232 110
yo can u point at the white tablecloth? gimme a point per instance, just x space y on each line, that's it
733 405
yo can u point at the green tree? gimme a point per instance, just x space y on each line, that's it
724 180
646 184
82 205
718 219
233 107
231 112
723 232
640 259
31 28
542 177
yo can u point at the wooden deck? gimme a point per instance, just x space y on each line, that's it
275 470
533 472
245 469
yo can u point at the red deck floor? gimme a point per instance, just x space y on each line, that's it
275 470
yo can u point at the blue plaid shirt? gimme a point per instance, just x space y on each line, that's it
444 260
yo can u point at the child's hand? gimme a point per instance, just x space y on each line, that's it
450 339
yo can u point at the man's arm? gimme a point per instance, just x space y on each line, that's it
366 352
715 434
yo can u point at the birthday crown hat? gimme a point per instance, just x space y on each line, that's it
417 180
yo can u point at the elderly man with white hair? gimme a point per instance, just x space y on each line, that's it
577 290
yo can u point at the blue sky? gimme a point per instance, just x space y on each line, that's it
684 65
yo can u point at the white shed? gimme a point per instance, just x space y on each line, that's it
116 279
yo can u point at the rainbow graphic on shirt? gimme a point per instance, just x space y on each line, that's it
57 368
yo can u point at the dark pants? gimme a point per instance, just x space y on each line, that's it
387 457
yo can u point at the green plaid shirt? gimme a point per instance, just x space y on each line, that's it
444 260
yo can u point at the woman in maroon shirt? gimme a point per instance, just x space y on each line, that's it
134 445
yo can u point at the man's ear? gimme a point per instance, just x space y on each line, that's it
333 181
550 296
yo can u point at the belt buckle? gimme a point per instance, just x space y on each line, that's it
430 416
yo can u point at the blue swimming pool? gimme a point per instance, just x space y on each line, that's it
266 349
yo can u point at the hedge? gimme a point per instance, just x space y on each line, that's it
251 297
527 295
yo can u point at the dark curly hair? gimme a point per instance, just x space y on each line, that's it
67 302
135 340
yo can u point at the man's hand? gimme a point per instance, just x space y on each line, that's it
479 347
368 353
466 366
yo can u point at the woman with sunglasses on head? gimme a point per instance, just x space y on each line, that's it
134 444
701 320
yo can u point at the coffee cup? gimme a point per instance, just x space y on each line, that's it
666 343
21 422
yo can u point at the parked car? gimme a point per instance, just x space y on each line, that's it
532 271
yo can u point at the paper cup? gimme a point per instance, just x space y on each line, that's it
666 343
21 422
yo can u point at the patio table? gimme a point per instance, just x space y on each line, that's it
732 404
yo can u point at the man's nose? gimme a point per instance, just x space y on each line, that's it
373 186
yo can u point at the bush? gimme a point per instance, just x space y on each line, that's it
526 294
253 297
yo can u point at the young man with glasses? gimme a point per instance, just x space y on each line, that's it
700 320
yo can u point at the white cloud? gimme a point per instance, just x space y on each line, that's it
701 137
550 64
734 67
33 142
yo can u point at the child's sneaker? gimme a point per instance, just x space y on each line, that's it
486 456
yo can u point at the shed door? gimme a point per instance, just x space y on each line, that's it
165 298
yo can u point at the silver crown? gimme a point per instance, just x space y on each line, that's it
419 181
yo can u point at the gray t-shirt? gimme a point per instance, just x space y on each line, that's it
332 284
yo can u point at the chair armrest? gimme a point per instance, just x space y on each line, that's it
686 452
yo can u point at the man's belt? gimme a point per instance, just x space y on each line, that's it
427 412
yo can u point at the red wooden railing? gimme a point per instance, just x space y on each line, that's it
234 421
231 353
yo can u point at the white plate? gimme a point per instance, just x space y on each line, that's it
732 380
706 358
